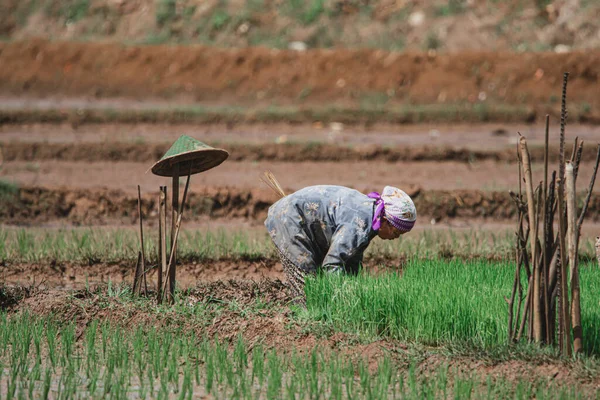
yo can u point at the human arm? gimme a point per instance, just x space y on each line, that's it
347 248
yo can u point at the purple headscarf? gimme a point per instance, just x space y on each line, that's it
397 207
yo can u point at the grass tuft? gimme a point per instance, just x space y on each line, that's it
435 302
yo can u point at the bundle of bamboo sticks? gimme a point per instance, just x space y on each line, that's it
167 260
548 279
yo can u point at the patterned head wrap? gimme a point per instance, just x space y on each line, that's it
397 207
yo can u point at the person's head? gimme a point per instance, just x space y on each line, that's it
396 213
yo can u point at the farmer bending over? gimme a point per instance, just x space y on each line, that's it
329 227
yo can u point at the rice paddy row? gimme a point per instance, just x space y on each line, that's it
437 302
90 246
41 359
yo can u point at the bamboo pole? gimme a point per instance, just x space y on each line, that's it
171 264
564 295
136 274
532 212
545 238
162 245
577 161
172 274
516 281
526 309
141 273
573 273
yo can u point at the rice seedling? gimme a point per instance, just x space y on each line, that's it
91 246
434 302
166 363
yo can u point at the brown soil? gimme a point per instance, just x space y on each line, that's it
59 275
258 75
272 327
361 175
38 205
479 138
290 152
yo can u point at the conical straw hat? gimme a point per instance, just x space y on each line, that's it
186 152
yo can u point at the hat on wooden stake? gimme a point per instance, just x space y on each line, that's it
191 155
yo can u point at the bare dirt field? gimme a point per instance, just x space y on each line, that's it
365 78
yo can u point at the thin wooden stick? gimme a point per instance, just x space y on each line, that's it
516 282
552 246
511 302
589 193
142 272
171 265
162 245
526 308
545 232
137 273
573 273
172 269
577 161
269 179
532 212
564 295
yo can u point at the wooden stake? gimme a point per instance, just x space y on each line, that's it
545 237
176 235
573 273
137 273
564 295
516 282
173 255
565 325
526 309
162 240
532 212
141 274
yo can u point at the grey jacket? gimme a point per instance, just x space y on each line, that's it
323 226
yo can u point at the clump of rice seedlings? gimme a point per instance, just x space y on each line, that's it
146 362
433 302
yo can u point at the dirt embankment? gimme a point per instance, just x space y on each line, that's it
288 152
363 78
386 24
39 205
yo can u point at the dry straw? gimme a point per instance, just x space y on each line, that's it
269 179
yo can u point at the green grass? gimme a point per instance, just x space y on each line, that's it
86 245
43 359
8 190
70 10
436 302
111 245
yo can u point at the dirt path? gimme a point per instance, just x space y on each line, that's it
125 176
470 136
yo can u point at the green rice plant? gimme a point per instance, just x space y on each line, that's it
314 375
275 375
433 302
